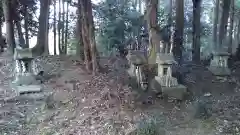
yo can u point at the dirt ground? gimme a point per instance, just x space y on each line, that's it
77 103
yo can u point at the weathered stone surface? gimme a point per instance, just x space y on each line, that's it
177 92
23 53
28 88
220 71
25 79
136 57
219 65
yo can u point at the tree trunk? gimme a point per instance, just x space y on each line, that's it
59 27
84 27
140 6
224 22
20 34
42 36
170 23
238 32
231 27
196 30
152 25
216 22
66 31
46 48
26 26
79 36
6 5
2 44
54 27
63 26
178 45
90 51
94 54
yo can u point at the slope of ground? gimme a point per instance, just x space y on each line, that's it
82 104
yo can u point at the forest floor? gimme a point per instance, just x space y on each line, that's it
105 105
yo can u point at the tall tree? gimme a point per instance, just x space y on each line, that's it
59 27
40 48
152 8
88 35
79 36
26 25
7 10
54 27
63 26
224 21
196 30
231 26
17 21
178 41
170 23
66 31
1 34
216 22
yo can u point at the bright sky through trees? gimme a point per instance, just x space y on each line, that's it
33 40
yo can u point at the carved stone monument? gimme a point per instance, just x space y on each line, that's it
137 60
219 65
25 81
169 84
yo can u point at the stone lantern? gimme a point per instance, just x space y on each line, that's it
137 61
25 80
218 65
169 84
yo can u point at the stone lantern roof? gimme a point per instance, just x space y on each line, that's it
221 53
165 59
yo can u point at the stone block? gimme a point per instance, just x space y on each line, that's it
25 79
220 71
23 53
28 89
177 92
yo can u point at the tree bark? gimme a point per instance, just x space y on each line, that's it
224 21
54 27
196 30
2 44
6 5
178 34
63 27
152 25
42 36
90 50
216 21
84 27
79 36
20 34
66 31
59 27
231 27
26 26
168 47
95 66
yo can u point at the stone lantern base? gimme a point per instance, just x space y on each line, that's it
177 92
220 71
